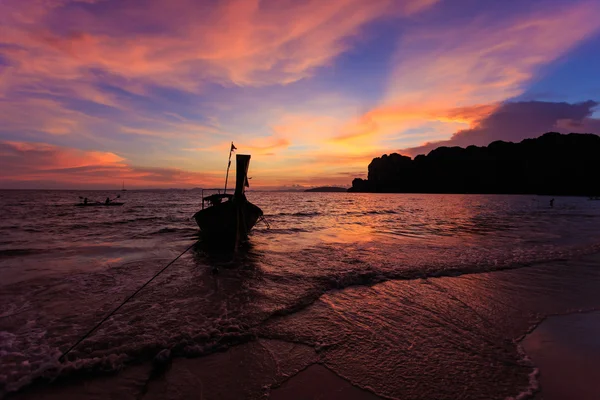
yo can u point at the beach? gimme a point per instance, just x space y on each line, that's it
415 358
313 310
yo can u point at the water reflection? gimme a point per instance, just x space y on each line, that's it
246 255
74 265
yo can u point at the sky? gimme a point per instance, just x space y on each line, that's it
94 93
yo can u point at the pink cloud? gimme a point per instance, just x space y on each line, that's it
469 69
241 42
33 165
22 162
64 49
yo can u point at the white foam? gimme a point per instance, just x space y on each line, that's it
534 384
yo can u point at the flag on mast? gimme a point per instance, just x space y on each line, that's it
233 147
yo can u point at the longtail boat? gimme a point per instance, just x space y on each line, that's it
229 218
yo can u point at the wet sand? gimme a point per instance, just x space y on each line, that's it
566 349
423 348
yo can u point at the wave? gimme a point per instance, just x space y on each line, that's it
218 333
47 368
371 212
18 252
296 214
284 231
173 230
381 212
33 230
370 275
129 221
80 226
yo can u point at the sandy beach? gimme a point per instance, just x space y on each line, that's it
536 336
566 349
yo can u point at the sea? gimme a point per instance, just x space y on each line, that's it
63 268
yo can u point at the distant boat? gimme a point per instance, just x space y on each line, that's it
107 203
123 187
229 218
99 204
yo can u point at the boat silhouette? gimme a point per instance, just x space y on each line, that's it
99 204
108 203
227 219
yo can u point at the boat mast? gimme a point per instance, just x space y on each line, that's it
229 165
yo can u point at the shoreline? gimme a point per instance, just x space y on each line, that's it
315 362
566 349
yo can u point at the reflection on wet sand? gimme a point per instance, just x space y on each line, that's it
448 337
567 351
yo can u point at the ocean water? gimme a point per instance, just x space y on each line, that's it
63 268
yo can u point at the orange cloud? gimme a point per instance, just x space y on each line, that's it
43 115
46 156
507 123
469 69
25 164
40 162
267 147
258 146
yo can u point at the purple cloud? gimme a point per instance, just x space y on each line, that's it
516 121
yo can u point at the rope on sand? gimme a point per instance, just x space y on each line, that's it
61 358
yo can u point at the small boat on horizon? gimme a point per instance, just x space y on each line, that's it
99 204
107 203
229 218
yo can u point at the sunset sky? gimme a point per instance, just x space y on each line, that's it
151 92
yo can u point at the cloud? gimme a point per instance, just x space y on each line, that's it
258 146
487 59
42 156
112 73
515 121
448 77
40 163
149 79
184 43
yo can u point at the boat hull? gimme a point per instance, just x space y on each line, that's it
228 222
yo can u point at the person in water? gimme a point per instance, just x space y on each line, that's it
552 203
107 200
85 201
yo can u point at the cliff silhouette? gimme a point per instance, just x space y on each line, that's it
553 164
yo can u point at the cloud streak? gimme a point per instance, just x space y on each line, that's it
240 42
456 74
23 162
516 121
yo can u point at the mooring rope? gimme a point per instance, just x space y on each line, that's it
263 219
123 303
